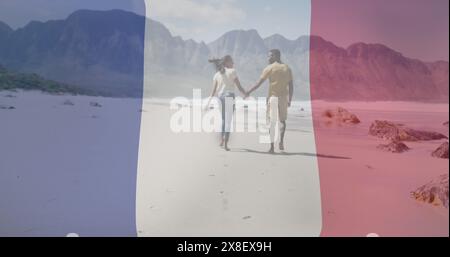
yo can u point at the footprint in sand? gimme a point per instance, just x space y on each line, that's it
225 204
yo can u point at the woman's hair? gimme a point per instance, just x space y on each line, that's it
220 63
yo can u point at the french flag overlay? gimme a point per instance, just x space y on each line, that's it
188 185
69 162
108 128
380 101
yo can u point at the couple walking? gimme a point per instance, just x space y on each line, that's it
281 89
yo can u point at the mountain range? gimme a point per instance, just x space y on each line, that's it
103 51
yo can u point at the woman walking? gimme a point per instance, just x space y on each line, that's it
225 81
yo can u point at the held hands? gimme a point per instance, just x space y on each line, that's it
247 94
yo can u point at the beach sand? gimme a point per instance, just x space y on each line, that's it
189 186
72 169
68 165
370 192
198 189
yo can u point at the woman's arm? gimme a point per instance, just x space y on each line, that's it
239 86
214 89
212 94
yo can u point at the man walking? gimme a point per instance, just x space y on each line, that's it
281 90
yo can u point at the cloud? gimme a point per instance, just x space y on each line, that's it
268 8
208 11
193 32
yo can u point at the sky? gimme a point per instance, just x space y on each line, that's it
416 28
207 20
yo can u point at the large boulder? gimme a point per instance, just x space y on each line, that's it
442 151
339 116
68 103
393 131
394 146
95 104
435 192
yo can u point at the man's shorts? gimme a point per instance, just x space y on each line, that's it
277 108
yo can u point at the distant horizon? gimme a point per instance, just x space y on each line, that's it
236 29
